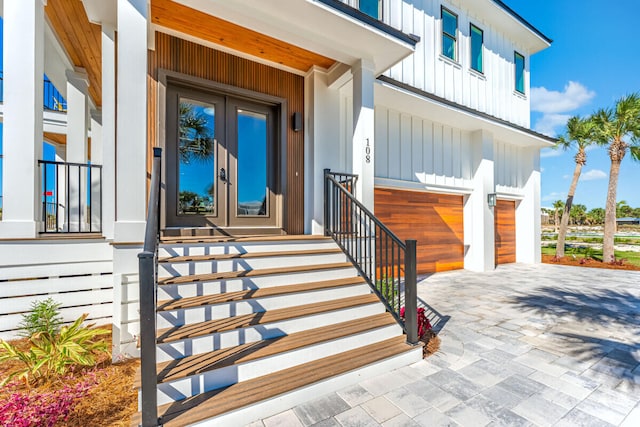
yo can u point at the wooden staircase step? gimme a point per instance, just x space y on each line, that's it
204 300
238 322
197 364
250 273
236 396
231 239
246 255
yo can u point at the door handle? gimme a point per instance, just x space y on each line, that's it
222 175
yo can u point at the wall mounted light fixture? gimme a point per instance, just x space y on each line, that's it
296 122
492 199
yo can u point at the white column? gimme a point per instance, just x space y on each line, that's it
479 226
322 142
363 131
131 118
77 116
77 148
528 227
23 58
95 187
108 131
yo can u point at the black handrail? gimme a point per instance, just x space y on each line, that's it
148 273
61 213
387 263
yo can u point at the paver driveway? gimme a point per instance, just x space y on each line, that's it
521 345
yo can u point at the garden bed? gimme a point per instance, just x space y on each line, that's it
109 399
581 261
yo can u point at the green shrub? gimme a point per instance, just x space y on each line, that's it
53 354
43 317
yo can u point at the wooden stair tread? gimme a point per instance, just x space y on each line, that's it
245 255
224 239
204 300
243 321
199 363
236 396
249 273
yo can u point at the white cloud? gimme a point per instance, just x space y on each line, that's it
566 176
556 106
549 123
552 197
571 98
593 174
541 170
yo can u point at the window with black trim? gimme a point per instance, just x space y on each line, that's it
477 42
449 33
371 8
519 73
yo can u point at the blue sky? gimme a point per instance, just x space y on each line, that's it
594 60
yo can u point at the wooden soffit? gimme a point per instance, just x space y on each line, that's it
183 19
80 39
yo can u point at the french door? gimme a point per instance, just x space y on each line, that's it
221 161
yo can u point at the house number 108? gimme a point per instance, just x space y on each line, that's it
367 152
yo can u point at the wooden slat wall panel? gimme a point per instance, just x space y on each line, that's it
434 220
505 220
175 54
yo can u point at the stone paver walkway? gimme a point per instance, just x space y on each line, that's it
523 345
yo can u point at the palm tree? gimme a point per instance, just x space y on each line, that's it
614 127
580 135
623 209
195 140
557 207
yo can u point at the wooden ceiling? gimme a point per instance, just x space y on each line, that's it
80 38
186 20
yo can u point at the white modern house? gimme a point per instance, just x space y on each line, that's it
419 109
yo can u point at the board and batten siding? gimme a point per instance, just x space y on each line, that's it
76 274
411 148
492 92
509 168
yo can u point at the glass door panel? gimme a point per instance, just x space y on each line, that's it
251 188
196 154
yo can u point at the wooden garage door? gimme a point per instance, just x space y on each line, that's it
505 220
434 220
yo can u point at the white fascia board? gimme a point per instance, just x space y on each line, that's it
517 30
420 186
414 104
327 31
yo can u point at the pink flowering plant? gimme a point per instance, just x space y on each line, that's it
423 322
43 409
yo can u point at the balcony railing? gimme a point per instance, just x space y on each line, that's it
71 197
52 98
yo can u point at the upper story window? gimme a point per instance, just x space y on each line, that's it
371 8
519 62
449 33
477 41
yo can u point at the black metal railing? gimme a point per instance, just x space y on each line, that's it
148 273
71 197
52 98
387 263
